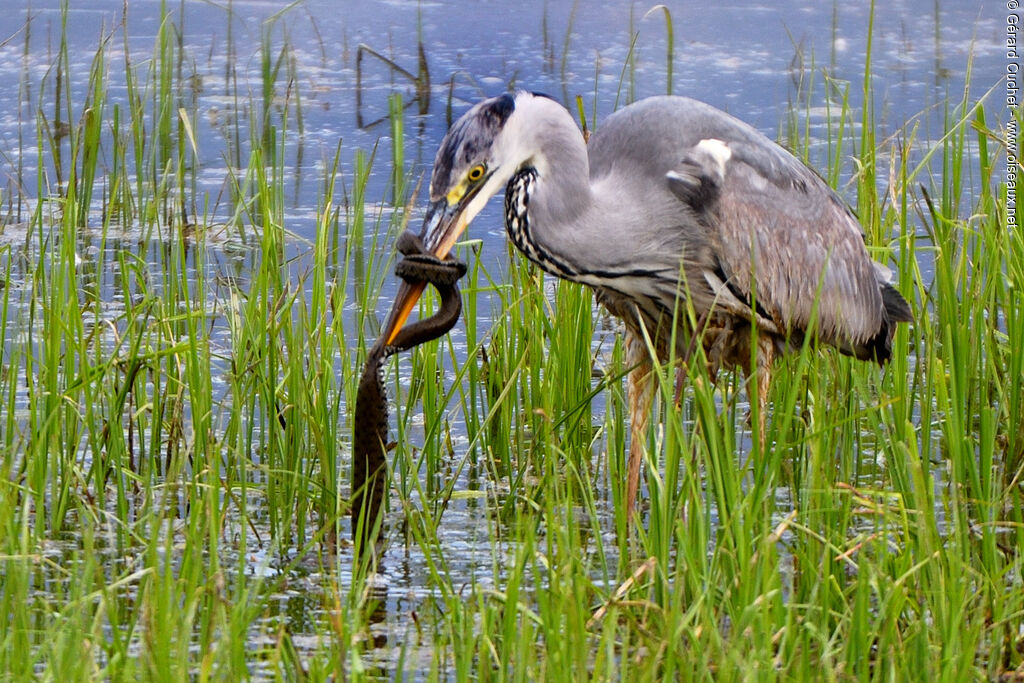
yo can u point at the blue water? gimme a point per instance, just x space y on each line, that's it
743 58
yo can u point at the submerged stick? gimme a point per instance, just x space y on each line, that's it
370 431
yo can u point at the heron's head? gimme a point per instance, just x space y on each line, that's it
476 159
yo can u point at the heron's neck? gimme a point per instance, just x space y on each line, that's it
549 196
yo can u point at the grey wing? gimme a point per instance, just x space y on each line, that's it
763 228
783 240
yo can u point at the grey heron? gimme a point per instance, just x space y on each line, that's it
669 199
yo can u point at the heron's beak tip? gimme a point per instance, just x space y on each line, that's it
405 301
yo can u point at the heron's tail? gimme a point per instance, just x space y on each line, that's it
897 310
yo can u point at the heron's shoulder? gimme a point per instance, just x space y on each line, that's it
657 132
676 118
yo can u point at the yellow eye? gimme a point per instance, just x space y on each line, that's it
475 173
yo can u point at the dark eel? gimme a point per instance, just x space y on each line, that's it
370 432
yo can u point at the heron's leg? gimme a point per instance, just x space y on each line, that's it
677 400
698 336
759 381
640 391
720 342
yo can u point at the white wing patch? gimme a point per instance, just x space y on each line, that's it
717 150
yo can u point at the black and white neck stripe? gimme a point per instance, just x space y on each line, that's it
517 224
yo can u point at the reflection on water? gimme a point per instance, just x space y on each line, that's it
747 60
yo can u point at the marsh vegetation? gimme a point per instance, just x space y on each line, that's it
179 362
